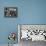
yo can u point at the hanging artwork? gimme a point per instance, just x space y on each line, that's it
10 11
32 32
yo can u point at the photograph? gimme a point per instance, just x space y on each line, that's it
10 11
32 32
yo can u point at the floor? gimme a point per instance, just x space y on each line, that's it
7 45
30 43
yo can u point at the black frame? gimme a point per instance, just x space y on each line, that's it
10 11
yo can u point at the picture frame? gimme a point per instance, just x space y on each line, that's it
10 12
36 32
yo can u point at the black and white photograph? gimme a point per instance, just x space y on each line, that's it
10 11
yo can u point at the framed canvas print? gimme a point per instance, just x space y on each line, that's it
32 32
10 11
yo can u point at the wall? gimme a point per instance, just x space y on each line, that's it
29 12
